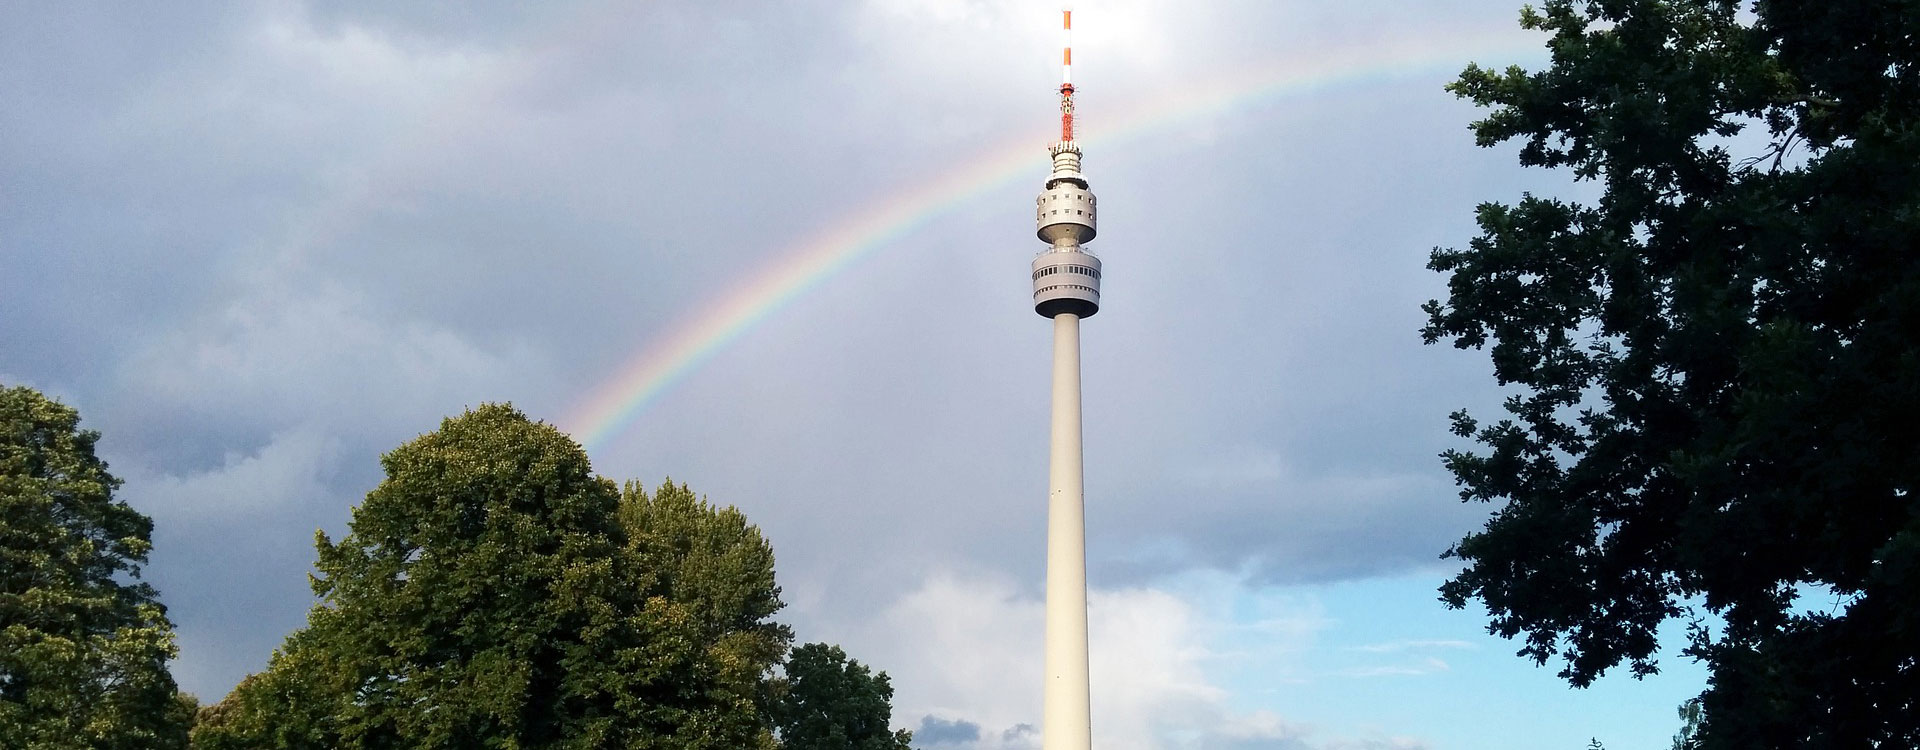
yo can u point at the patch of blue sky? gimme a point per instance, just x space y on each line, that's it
1382 657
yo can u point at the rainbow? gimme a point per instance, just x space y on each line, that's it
660 363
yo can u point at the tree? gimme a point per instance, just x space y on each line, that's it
1718 361
706 575
831 702
83 644
494 593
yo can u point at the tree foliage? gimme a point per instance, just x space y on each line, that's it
1717 414
494 593
83 644
831 702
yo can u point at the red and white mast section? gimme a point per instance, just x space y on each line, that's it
1066 288
1066 75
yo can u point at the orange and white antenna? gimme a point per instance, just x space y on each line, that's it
1066 76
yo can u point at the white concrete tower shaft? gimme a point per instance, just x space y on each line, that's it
1068 714
1066 288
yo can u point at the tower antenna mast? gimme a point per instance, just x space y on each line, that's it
1066 75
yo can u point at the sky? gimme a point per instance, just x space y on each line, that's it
778 251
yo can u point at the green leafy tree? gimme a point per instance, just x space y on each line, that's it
289 706
703 578
83 644
494 593
830 702
1717 363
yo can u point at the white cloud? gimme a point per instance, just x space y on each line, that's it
1412 657
962 647
1428 665
968 648
1411 645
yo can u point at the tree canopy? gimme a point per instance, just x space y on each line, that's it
1717 363
830 702
83 644
494 593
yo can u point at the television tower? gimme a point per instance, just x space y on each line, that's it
1066 288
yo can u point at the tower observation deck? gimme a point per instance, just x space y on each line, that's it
1066 278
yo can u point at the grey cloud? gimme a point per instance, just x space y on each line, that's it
232 546
937 731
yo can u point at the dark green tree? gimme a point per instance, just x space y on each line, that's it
830 702
494 593
1717 363
83 644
